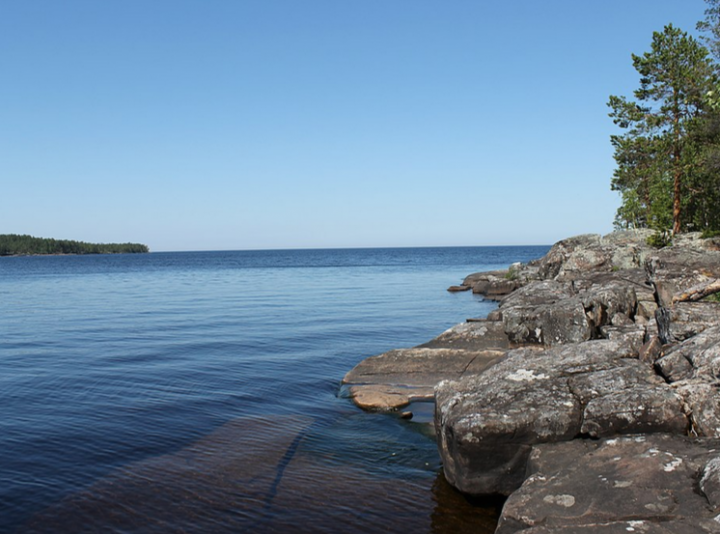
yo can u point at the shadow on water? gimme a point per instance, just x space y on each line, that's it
264 475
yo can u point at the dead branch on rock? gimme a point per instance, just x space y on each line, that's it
698 292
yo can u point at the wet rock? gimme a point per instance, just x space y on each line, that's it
396 378
458 289
273 474
642 483
472 279
496 282
387 398
496 289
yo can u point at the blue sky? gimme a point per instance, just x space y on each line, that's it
252 124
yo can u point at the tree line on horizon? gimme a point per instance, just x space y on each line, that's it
668 158
24 245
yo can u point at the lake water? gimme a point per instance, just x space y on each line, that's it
200 392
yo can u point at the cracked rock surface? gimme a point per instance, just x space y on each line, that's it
487 423
640 483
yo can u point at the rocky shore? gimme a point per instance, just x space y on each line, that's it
590 397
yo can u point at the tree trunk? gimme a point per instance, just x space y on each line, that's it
677 168
676 198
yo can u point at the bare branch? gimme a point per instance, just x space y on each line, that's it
698 292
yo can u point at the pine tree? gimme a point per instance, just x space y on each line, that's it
659 161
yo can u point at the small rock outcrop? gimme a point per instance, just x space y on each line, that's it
396 378
590 396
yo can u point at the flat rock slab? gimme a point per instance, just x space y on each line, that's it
458 289
643 483
387 398
396 378
476 335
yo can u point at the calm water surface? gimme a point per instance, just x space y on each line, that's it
199 392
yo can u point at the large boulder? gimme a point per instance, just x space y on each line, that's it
537 293
487 424
574 257
551 312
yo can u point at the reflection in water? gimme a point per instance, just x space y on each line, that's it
263 475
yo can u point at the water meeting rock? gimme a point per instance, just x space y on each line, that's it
590 396
394 379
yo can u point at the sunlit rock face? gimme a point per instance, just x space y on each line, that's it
640 483
487 424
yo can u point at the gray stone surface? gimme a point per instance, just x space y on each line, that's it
487 424
564 321
640 483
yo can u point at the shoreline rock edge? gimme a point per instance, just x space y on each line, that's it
590 396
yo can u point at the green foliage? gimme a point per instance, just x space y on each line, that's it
659 239
708 234
19 245
715 297
665 155
711 27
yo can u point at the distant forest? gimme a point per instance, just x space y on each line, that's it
23 245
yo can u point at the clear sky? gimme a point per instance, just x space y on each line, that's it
251 124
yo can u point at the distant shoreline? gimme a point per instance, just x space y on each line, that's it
26 245
31 255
